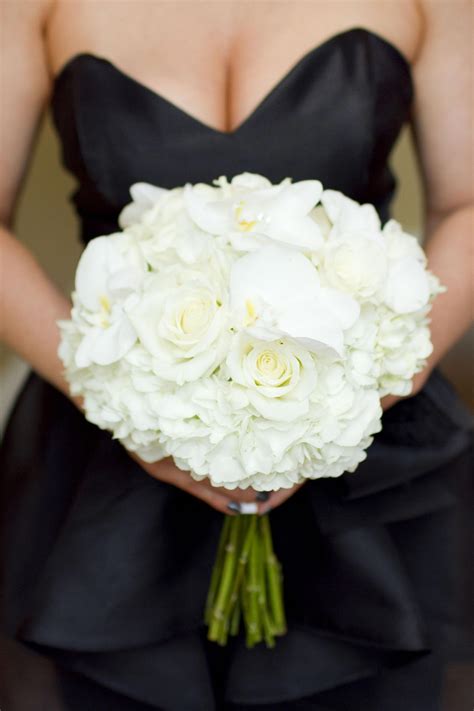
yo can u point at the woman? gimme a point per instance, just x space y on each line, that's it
107 559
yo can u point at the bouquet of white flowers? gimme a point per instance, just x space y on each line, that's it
248 330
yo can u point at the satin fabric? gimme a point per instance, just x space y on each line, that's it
105 570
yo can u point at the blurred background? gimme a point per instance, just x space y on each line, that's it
46 223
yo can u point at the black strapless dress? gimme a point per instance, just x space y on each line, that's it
105 570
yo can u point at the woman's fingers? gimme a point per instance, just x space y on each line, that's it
242 495
245 501
213 498
220 498
166 471
279 497
250 504
159 469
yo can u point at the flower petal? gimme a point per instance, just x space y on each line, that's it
275 274
144 196
92 273
114 342
343 307
211 216
407 286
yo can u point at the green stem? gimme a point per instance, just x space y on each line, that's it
248 532
266 623
217 570
235 619
217 626
274 578
246 583
254 632
231 618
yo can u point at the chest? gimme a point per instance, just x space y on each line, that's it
217 61
334 116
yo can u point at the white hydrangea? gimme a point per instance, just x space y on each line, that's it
247 329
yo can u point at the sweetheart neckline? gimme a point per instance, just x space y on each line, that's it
270 94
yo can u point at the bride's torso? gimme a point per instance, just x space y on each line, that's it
168 93
216 61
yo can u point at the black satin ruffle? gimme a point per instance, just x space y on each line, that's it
107 568
104 569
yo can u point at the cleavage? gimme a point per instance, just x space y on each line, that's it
222 86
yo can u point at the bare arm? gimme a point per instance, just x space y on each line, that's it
443 133
29 302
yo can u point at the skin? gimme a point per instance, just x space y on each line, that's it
239 51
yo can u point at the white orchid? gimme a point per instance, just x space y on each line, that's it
276 293
144 197
247 329
347 215
108 275
252 213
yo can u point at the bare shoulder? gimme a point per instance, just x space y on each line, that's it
18 15
447 23
454 9
23 31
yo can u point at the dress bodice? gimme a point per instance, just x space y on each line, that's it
334 116
106 568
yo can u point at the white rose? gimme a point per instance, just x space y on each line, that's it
279 377
181 321
356 265
257 370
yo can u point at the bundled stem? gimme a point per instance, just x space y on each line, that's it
274 578
216 571
220 622
246 584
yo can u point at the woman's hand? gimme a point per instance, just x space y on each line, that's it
229 501
225 500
